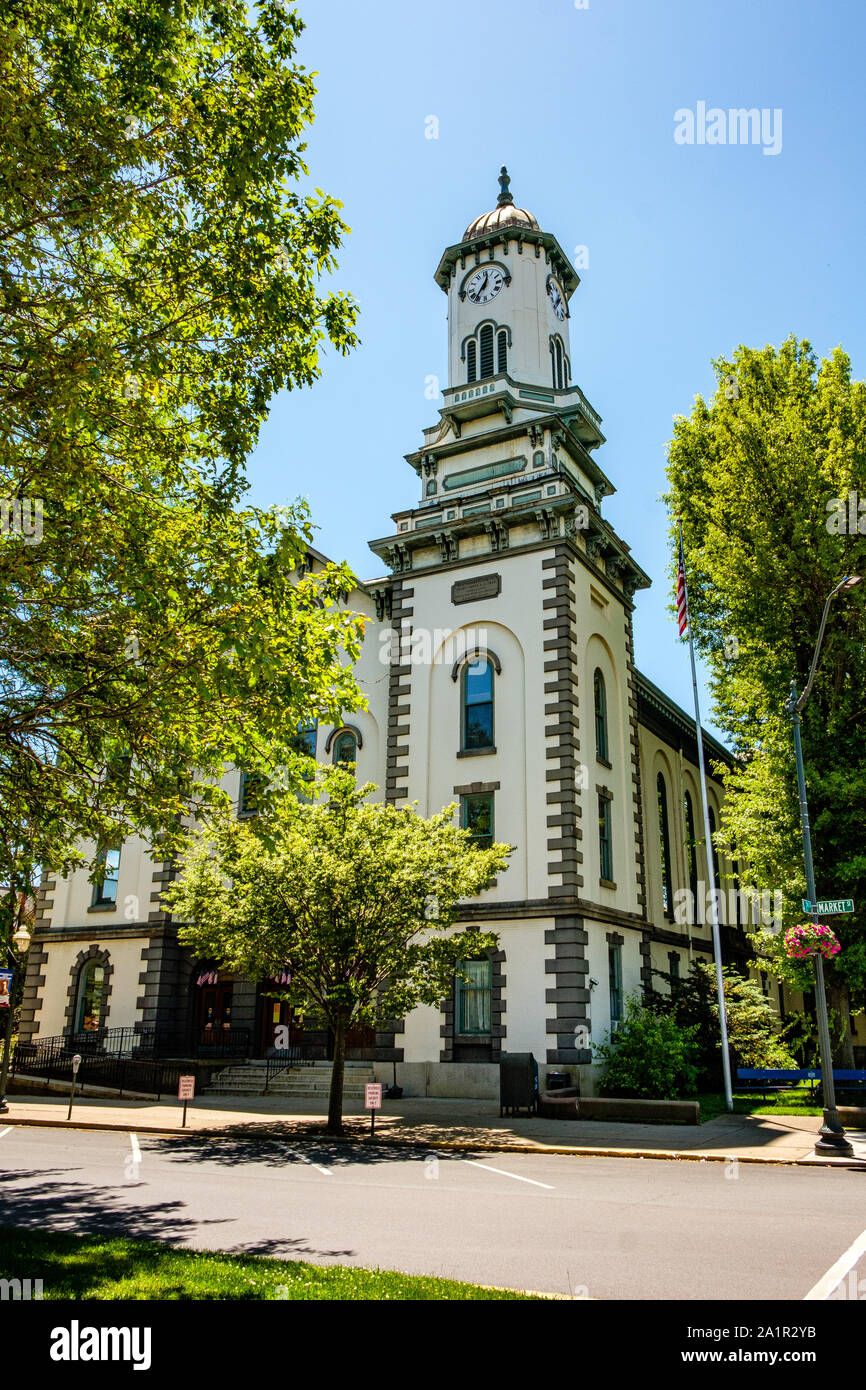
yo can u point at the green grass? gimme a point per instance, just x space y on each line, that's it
102 1267
794 1102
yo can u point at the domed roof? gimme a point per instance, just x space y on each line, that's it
505 214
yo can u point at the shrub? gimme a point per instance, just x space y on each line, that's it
649 1056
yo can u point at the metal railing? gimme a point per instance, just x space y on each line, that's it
301 1055
51 1059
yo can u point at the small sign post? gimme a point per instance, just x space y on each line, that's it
76 1063
185 1092
828 907
373 1102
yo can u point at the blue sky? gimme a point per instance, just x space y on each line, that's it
692 249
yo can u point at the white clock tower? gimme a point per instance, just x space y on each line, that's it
508 286
512 598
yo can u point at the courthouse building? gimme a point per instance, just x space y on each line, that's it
499 668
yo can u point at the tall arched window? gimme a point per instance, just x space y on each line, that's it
477 702
692 854
89 998
502 351
600 697
557 362
485 344
471 360
665 845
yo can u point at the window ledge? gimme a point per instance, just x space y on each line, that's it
606 883
475 752
604 761
103 907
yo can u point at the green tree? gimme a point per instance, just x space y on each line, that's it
160 275
755 1035
355 899
759 475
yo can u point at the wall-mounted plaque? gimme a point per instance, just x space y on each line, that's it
478 587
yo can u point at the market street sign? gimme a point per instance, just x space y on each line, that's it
828 907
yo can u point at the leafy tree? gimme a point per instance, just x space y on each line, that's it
160 279
759 475
651 1055
755 1035
355 899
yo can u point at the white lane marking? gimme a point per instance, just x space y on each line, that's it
488 1168
303 1157
7 1130
136 1149
836 1273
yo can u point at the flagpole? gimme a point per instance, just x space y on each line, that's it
711 873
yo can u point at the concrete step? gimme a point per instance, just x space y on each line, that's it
303 1082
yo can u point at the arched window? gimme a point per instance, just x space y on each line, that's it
538 459
345 749
557 362
665 845
485 343
691 854
471 360
89 997
477 685
502 351
600 697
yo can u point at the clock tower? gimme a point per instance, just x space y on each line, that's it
508 612
509 285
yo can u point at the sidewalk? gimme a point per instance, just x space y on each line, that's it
464 1124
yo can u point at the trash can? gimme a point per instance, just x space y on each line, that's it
518 1083
558 1080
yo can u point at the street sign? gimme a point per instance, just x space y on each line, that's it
185 1092
76 1063
373 1102
828 907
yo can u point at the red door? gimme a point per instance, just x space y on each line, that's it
215 1009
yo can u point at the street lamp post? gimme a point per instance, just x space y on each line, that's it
832 1138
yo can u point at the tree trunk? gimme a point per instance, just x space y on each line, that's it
335 1102
839 1001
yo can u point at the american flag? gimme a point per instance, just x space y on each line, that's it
682 601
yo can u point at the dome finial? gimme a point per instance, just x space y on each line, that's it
505 185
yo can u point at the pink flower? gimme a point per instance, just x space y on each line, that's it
807 938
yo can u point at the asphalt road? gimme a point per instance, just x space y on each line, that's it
595 1228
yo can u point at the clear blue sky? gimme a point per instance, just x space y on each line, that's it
692 249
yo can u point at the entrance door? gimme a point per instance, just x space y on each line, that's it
276 1013
215 1011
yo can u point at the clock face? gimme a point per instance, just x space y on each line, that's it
557 298
484 285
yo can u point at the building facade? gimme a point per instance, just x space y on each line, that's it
499 670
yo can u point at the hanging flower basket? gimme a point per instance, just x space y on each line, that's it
809 938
